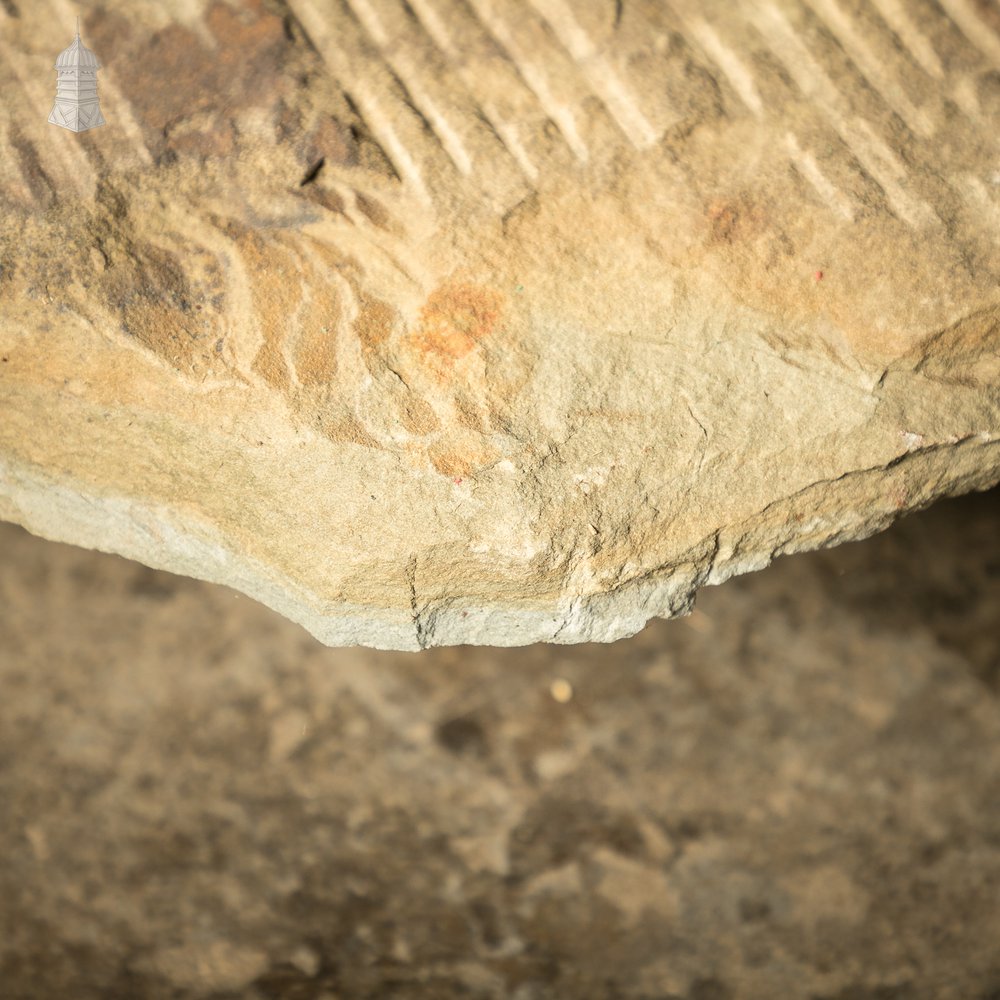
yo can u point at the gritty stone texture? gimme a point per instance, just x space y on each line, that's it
794 792
492 322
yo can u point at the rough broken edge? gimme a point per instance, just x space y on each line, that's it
47 506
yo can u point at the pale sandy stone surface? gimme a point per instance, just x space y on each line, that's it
793 793
495 322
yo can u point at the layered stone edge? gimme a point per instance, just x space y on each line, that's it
853 506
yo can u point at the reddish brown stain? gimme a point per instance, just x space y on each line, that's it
734 220
764 251
454 320
171 75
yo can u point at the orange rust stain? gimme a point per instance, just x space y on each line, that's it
454 320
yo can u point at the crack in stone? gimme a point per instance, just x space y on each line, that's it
411 577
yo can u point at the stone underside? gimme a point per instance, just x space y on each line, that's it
496 323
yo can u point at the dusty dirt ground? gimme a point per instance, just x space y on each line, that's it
793 793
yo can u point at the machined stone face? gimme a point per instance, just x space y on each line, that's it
501 322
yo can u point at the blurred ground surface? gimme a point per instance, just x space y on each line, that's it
793 793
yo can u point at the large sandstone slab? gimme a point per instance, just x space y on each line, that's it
496 322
